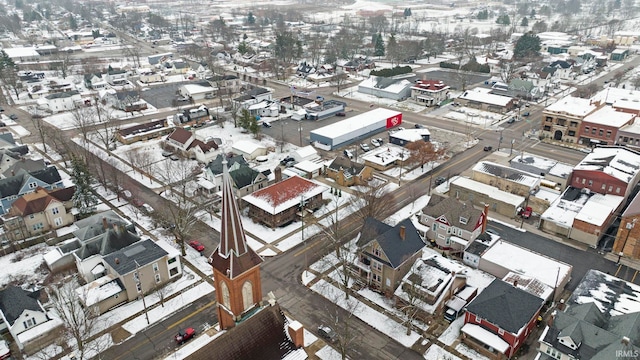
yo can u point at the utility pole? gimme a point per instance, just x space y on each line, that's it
144 303
302 203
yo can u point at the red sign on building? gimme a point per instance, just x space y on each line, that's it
394 121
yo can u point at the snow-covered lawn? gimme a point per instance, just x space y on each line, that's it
435 352
453 331
25 267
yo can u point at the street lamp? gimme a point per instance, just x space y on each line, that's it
500 139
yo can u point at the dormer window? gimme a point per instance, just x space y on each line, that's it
463 220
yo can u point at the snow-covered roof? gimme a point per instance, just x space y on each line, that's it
396 87
607 115
488 190
484 96
572 106
385 155
361 121
40 329
19 52
197 89
411 135
99 290
545 165
610 294
306 152
619 162
529 284
528 263
508 173
598 208
284 195
52 256
247 146
486 337
308 166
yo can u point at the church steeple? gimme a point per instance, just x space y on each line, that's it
236 269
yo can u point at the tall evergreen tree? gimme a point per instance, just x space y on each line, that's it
379 46
84 200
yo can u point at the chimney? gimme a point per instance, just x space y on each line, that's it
117 261
296 332
550 321
561 304
105 225
278 173
486 215
625 341
402 232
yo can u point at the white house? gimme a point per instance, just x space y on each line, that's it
305 153
63 101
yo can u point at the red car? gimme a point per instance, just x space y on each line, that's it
196 245
526 212
137 202
185 335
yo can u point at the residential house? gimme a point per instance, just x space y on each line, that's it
483 99
601 126
38 212
346 172
474 251
305 153
407 136
204 150
62 101
116 77
560 69
304 69
12 162
147 76
595 323
131 272
432 280
358 63
387 253
26 319
177 66
561 121
279 204
524 89
94 81
128 101
226 84
395 88
619 54
7 142
245 179
452 224
499 320
180 139
24 182
429 92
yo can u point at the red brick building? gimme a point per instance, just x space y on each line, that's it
607 170
236 267
601 126
500 318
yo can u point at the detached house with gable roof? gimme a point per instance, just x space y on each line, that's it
387 253
39 212
245 179
22 314
280 203
346 172
24 182
499 320
395 88
452 224
429 92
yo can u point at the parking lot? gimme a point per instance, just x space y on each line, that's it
161 96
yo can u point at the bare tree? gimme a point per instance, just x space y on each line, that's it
139 160
181 213
422 152
107 124
339 79
83 118
372 201
161 291
38 124
80 320
343 323
411 295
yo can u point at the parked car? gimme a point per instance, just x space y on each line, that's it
488 148
174 157
13 117
440 180
375 142
511 121
341 113
196 245
365 147
266 124
147 208
418 126
380 140
1 109
167 153
290 163
348 153
185 335
492 232
327 333
526 113
286 160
